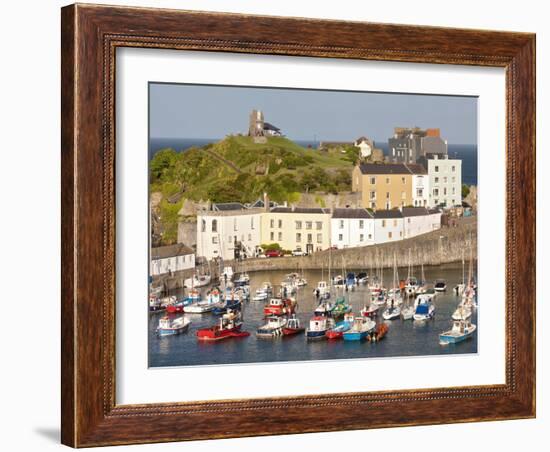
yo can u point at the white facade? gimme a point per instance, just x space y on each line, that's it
445 182
415 223
421 190
347 231
163 262
387 229
219 234
365 147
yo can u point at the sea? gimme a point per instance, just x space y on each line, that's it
404 338
465 152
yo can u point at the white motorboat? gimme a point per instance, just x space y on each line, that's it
273 327
424 308
461 330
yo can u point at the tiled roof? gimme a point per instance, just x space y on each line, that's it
164 252
391 168
299 210
414 211
224 206
351 213
395 213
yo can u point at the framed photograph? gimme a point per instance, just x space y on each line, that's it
270 231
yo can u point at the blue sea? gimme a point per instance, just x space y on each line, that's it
465 152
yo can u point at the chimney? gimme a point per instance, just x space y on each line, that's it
266 202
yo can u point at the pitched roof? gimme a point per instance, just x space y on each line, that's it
351 213
268 126
383 214
299 210
391 168
164 252
223 206
414 211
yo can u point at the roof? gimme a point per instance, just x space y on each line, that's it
260 203
164 252
299 210
394 213
432 211
223 206
268 126
391 168
351 213
414 211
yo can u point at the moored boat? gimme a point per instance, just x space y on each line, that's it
292 326
280 306
379 332
461 330
362 278
168 327
392 312
318 327
341 327
361 327
273 327
424 308
371 310
198 281
341 307
322 290
440 285
229 325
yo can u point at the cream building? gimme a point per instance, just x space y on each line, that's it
306 229
228 230
445 181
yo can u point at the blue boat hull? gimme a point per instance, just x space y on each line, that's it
453 339
355 336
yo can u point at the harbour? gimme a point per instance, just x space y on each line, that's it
404 338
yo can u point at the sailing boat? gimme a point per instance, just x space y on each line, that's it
411 283
393 311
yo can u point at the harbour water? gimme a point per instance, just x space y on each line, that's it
404 338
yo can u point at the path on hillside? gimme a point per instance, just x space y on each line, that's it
224 160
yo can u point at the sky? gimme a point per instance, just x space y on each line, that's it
204 111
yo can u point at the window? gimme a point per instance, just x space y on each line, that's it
409 220
453 180
372 195
373 180
319 238
251 222
444 191
445 180
309 224
272 236
373 205
280 235
402 180
419 192
361 237
298 225
394 223
390 235
387 180
215 239
388 205
234 224
272 223
403 195
340 237
454 190
298 237
319 225
361 224
370 236
383 223
280 224
214 225
341 224
387 195
453 169
436 169
436 191
436 180
436 201
203 225
309 238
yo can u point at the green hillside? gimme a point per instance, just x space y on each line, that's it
237 169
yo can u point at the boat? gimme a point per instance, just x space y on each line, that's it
260 296
361 327
214 296
280 306
242 280
288 287
370 311
273 327
198 281
338 280
407 312
322 290
378 298
379 332
392 312
232 301
351 280
227 275
462 312
156 304
229 325
424 308
324 308
212 301
296 279
341 327
341 307
362 278
411 285
440 285
292 326
169 327
318 327
461 330
156 291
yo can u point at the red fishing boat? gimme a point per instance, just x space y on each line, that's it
175 308
280 306
228 326
293 327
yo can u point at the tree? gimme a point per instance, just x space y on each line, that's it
465 191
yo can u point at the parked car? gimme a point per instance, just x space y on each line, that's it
299 253
273 253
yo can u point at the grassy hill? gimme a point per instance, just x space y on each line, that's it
237 169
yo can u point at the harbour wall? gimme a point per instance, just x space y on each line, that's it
446 245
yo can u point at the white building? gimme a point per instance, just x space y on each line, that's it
171 258
445 181
420 220
228 230
351 227
421 190
388 226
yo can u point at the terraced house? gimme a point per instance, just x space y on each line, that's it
297 228
388 185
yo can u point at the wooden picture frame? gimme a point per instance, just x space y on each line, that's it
90 36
